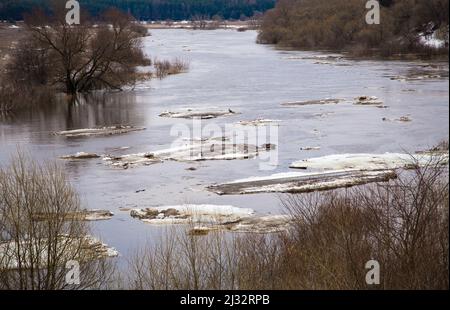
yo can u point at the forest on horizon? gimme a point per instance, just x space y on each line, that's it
150 9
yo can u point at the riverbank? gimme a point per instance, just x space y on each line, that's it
400 31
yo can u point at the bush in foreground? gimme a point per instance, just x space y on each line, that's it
402 224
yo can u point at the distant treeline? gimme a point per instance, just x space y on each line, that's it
341 25
150 9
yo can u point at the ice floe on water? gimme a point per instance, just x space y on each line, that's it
368 100
333 172
360 100
263 224
423 73
95 215
187 214
130 160
87 247
316 57
312 102
402 119
368 161
310 148
80 155
302 182
196 113
101 131
259 122
258 224
83 215
193 150
206 218
335 60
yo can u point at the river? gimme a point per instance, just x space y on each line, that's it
228 70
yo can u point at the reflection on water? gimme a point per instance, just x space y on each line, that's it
84 111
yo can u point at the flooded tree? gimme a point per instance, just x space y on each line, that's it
79 58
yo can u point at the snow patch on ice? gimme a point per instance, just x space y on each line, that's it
302 182
186 214
367 161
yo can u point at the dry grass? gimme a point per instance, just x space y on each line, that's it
167 67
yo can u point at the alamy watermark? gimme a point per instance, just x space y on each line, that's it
73 13
373 275
73 273
373 15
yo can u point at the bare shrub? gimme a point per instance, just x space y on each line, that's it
182 261
37 235
167 67
402 224
199 22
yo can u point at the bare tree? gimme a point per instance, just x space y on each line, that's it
38 237
80 58
200 21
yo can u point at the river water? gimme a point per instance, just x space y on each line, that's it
228 70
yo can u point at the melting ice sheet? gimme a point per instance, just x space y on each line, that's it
205 218
369 161
302 182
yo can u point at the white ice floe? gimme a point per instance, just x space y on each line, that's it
301 182
94 215
367 161
194 113
312 102
263 224
192 214
129 160
316 57
310 148
67 248
81 155
402 119
101 131
368 100
194 150
83 215
258 122
213 217
257 224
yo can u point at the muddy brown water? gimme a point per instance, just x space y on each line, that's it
228 71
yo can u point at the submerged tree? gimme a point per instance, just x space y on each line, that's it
79 58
